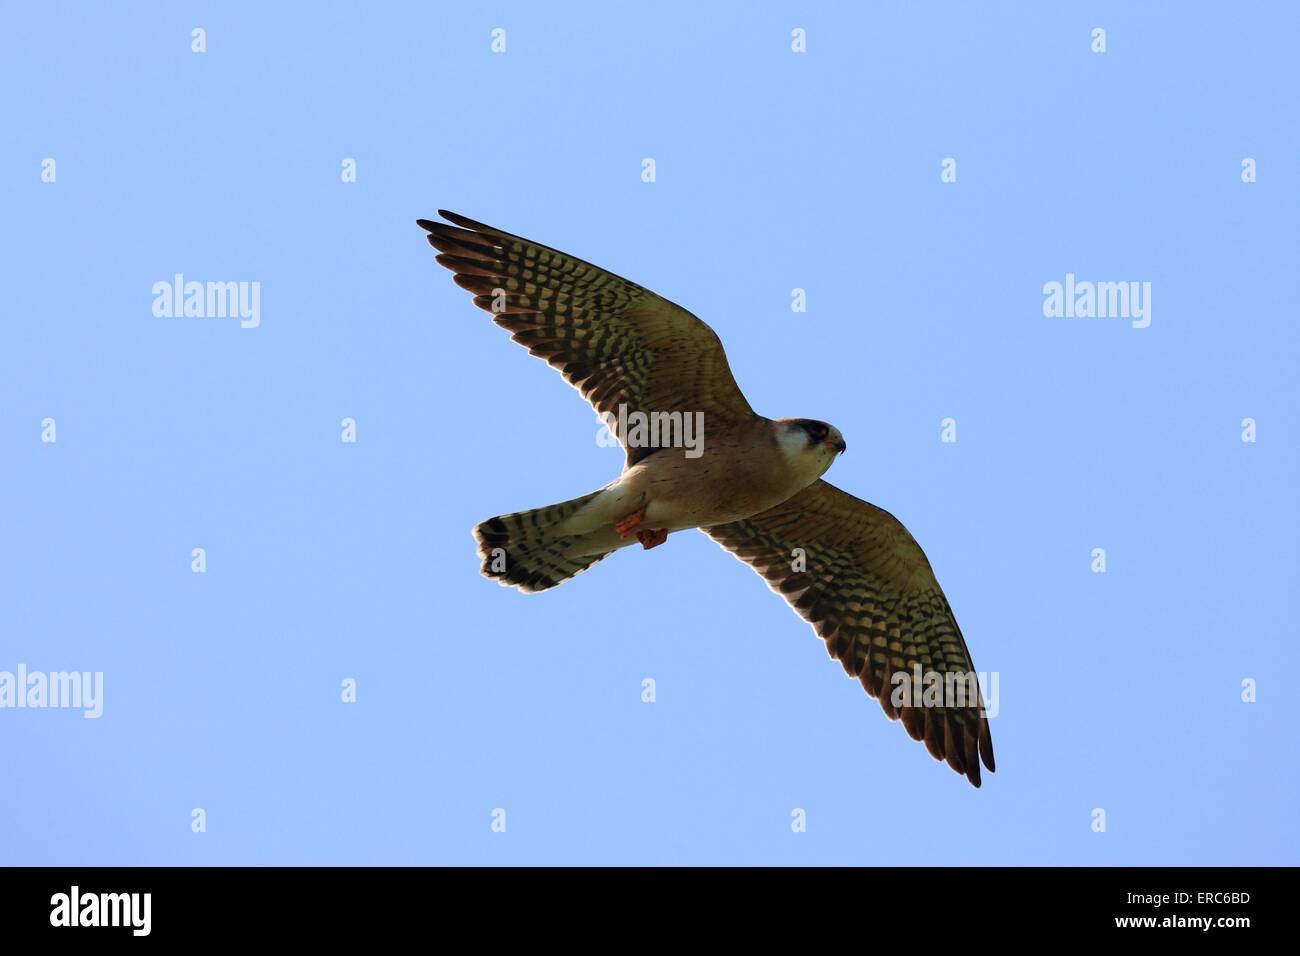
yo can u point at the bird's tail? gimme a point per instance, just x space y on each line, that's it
530 550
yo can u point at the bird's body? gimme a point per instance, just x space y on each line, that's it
751 483
744 469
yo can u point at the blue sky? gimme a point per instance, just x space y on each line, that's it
1119 691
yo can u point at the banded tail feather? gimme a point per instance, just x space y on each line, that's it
527 550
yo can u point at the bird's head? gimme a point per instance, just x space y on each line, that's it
809 445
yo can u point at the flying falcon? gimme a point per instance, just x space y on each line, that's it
753 484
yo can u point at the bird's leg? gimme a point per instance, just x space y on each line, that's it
652 539
629 524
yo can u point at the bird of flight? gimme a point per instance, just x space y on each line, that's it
754 485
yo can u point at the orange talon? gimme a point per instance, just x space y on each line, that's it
629 524
652 539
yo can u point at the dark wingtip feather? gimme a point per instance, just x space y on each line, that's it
986 749
972 758
463 264
464 221
914 721
933 734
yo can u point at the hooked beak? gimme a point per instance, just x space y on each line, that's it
837 443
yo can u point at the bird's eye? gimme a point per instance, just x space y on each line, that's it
816 429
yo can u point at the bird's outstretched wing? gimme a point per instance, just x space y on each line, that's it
853 572
615 342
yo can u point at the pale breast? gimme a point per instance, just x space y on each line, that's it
738 474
